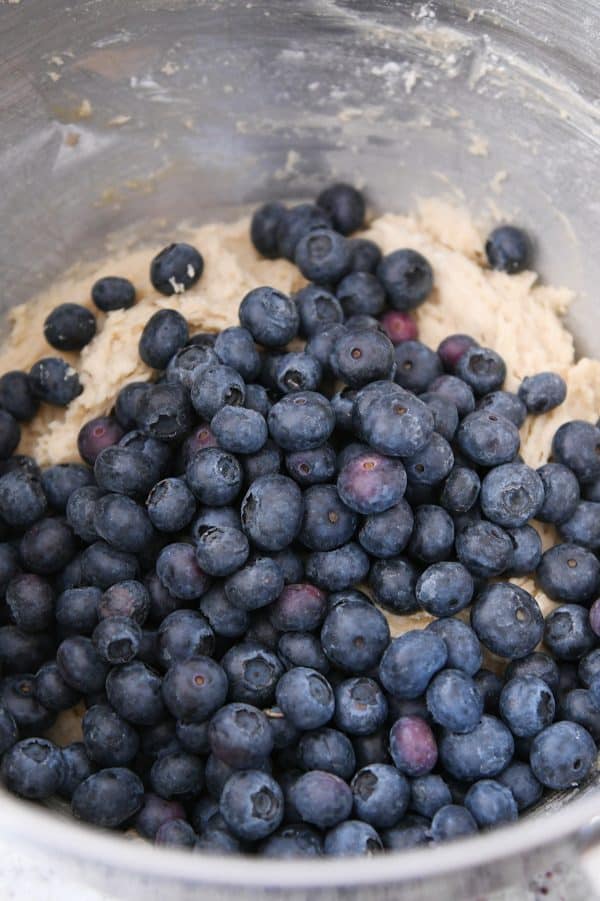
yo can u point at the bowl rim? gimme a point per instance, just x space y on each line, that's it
49 833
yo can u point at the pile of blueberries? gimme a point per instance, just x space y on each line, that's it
208 583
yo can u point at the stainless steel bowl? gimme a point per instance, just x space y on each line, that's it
134 114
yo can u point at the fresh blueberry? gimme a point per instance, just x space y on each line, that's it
318 309
18 699
296 840
454 700
301 421
51 691
482 369
177 775
184 634
171 505
113 293
176 833
128 598
579 706
433 534
122 522
371 483
527 550
322 799
351 839
194 689
297 371
77 768
361 293
360 706
189 362
508 249
398 326
413 746
387 534
263 228
451 349
176 268
54 381
179 572
527 705
511 494
33 768
221 550
108 739
108 798
337 569
257 399
507 620
193 737
365 255
154 451
416 366
285 734
445 414
235 347
535 664
271 512
490 803
164 412
302 649
312 467
256 584
523 785
576 444
296 222
504 403
464 650
452 822
165 333
361 356
354 636
484 548
410 662
479 754
75 610
270 316
391 420
306 698
568 634
10 434
583 526
444 589
215 476
159 739
428 794
589 666
542 392
488 439
490 685
327 750
80 665
8 730
30 602
265 462
407 278
299 608
121 470
327 522
154 813
345 205
561 493
569 573
562 755
134 690
217 387
381 795
117 639
595 617
22 499
60 481
323 256
412 831
251 804
455 391
253 672
393 581
127 402
69 327
17 397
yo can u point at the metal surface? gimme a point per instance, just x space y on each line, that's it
134 114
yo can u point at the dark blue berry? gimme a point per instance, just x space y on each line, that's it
579 706
482 369
338 569
164 334
583 526
235 347
320 344
33 768
322 799
297 371
60 481
311 467
54 381
302 649
296 840
410 662
527 550
193 737
387 534
75 610
21 652
318 309
10 434
187 365
371 483
301 421
416 366
484 548
360 356
30 602
354 636
561 493
507 620
123 471
568 634
381 795
411 831
327 750
488 439
271 512
69 327
216 387
504 403
299 608
542 392
108 739
445 414
479 754
51 690
511 494
221 550
454 700
455 391
407 278
177 775
176 268
452 822
297 222
523 785
428 794
194 689
576 444
17 397
351 839
360 706
179 572
527 705
251 804
176 833
134 690
270 316
122 522
444 589
113 293
562 755
490 803
361 293
433 534
256 584
569 573
345 205
103 565
393 581
18 698
253 672
117 639
96 435
215 476
306 698
171 505
490 686
77 767
508 249
22 499
108 798
263 228
164 412
535 664
327 522
365 255
462 645
126 598
323 256
80 665
391 420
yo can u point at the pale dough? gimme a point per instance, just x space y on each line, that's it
516 315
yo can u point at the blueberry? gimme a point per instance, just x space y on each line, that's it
428 794
381 795
511 494
591 491
296 840
391 420
184 634
234 347
490 686
75 610
215 516
294 224
398 326
370 749
410 662
327 750
484 548
270 316
69 327
117 639
410 832
285 735
444 589
595 617
128 598
454 700
311 467
187 364
263 228
10 434
301 421
218 841
176 268
297 371
21 651
542 392
134 690
445 414
338 569
579 706
176 833
177 775
154 813
352 838
108 739
589 666
322 799
271 512
371 483
123 471
193 737
51 691
179 572
504 403
8 730
407 278
18 698
360 356
488 439
583 526
22 499
507 620
576 444
251 804
354 636
568 634
527 550
165 333
561 493
433 534
387 534
526 705
323 256
413 746
452 822
299 608
30 602
361 293
416 366
482 369
194 689
256 584
393 581
217 387
33 768
171 505
569 573
265 462
360 706
60 481
318 309
455 391
258 399
113 293
305 697
108 798
320 344
562 755
253 672
490 803
479 754
17 397
80 665
327 522
221 550
365 255
164 412
122 522
302 649
54 381
508 249
345 205
462 644
76 768
127 401
523 785
215 476
159 739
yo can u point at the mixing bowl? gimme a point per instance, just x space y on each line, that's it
119 118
